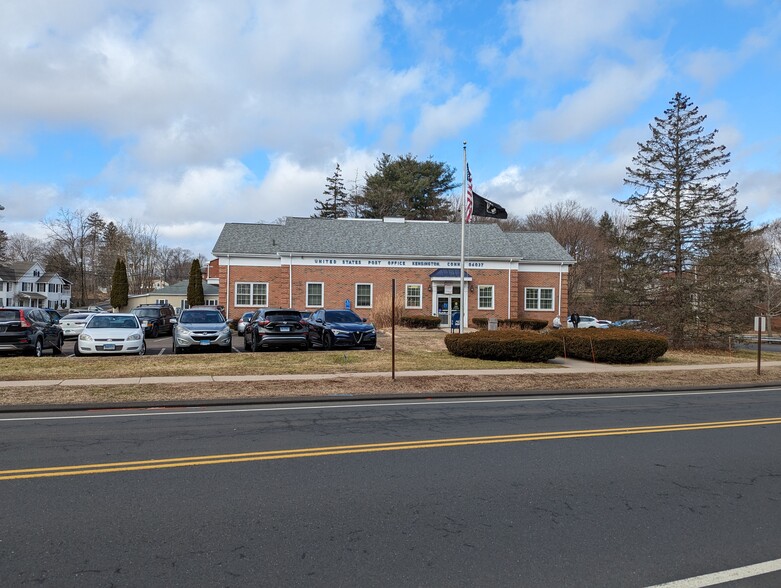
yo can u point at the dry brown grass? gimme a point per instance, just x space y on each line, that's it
416 350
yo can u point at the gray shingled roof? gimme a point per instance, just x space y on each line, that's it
375 237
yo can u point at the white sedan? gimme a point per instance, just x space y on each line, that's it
73 323
111 334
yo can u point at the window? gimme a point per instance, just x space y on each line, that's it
485 297
251 294
539 298
41 287
314 294
363 295
161 301
414 296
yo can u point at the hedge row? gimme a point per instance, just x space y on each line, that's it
505 345
420 322
520 323
610 345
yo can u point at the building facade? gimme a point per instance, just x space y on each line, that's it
173 294
311 263
29 284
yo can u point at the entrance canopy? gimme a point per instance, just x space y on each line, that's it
449 275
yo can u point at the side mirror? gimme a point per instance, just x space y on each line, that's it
173 321
363 320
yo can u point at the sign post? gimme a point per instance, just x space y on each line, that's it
393 329
759 325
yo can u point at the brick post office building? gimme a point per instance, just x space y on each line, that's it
311 263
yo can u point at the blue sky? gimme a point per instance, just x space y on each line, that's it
184 115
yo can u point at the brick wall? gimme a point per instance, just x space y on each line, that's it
339 285
541 280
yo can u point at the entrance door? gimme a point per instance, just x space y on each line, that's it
447 304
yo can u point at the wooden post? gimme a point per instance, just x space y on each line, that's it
393 329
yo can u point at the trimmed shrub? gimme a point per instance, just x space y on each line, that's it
611 345
526 324
505 345
420 322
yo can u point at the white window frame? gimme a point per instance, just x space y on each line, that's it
371 295
252 287
407 295
539 299
309 294
161 301
480 296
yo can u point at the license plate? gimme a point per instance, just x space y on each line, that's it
108 347
284 329
205 342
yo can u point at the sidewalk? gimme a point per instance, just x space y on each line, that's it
568 366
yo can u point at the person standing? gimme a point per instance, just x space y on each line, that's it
575 319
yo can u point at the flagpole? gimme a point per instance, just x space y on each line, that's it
462 309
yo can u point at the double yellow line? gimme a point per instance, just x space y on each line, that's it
180 462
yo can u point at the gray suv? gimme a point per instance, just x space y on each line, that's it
201 328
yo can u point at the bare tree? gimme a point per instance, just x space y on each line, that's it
21 247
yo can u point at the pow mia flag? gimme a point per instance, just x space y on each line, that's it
484 207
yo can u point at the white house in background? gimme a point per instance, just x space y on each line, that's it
29 284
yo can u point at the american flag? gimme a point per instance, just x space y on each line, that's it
469 199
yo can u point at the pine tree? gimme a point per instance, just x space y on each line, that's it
119 285
195 285
336 203
682 220
407 188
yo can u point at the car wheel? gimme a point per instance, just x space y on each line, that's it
176 350
38 349
247 346
143 348
155 332
254 345
57 349
328 341
76 350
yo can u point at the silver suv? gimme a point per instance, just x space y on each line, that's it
201 328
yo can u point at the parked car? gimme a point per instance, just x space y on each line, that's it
242 323
29 330
603 324
201 328
276 327
111 334
73 324
340 328
587 322
628 323
155 318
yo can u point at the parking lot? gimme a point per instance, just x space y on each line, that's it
162 345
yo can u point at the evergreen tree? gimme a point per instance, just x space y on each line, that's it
195 285
682 220
119 285
408 188
336 201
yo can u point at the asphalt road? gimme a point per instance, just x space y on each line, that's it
586 491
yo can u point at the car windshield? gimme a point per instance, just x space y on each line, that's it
283 316
201 317
112 322
146 312
246 316
77 316
341 316
9 315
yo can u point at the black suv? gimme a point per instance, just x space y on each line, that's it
276 327
155 318
29 330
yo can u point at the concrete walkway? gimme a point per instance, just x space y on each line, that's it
567 366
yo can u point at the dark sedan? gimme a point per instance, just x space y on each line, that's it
341 328
276 327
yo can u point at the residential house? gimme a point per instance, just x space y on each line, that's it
173 294
29 284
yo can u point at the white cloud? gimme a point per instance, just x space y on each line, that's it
615 91
558 36
445 121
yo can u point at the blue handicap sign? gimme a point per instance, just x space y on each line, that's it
347 304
